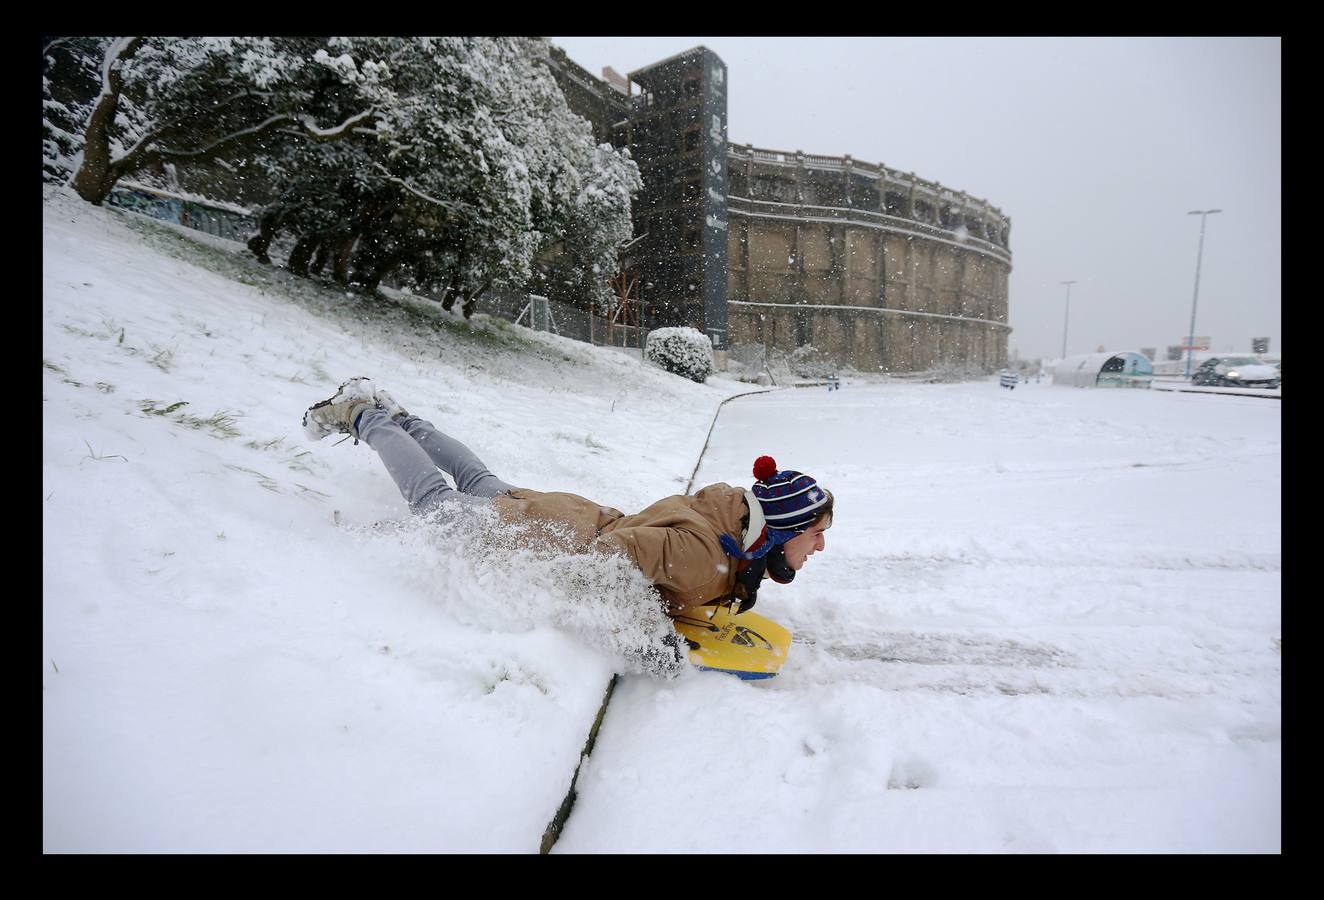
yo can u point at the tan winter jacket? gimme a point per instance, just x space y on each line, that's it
674 542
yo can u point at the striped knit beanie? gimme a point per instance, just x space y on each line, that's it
791 501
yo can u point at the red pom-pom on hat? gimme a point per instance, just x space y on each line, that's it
765 467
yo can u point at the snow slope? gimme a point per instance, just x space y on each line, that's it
1046 620
248 644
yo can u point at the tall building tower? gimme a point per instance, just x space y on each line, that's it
678 139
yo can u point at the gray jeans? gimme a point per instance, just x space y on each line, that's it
413 451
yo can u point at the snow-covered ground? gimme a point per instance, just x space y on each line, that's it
248 645
1046 620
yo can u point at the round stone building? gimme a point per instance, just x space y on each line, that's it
877 268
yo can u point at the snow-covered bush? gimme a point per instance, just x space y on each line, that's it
808 361
681 351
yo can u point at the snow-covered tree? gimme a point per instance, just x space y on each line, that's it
170 99
453 160
480 168
478 129
581 256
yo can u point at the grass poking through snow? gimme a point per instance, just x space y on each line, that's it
221 423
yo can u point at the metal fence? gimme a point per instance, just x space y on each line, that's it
562 318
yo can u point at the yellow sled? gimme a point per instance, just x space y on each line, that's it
746 645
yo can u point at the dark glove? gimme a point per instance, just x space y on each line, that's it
748 579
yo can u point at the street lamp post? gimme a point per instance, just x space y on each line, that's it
1199 257
1066 320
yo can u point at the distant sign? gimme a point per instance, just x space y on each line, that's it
1150 352
1259 345
1198 342
1175 351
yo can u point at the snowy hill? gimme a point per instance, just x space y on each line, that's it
1046 620
247 644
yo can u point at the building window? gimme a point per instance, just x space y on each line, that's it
896 203
864 196
693 140
773 188
691 87
824 192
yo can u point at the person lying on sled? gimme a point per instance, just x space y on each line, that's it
716 545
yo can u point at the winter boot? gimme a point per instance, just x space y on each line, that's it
386 402
339 413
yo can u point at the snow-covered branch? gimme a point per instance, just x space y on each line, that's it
448 205
316 133
309 129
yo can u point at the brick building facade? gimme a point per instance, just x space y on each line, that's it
880 269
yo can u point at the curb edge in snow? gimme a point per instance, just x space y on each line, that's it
554 828
689 486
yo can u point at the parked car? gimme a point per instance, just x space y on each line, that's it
1237 371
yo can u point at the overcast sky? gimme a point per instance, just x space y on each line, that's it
1095 147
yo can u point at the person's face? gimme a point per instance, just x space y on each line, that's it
806 544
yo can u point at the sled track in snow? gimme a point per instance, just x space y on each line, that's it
902 565
938 649
989 666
